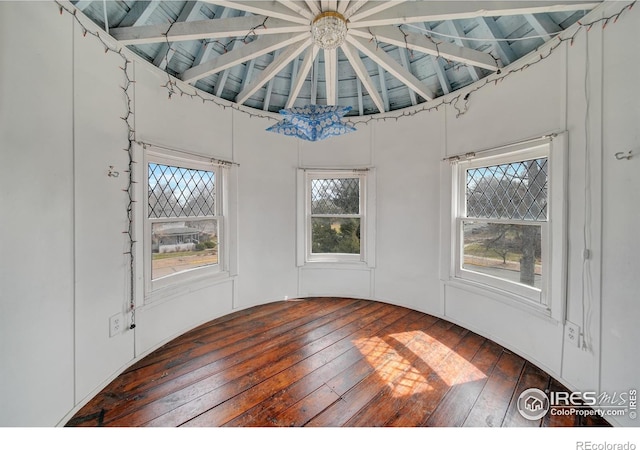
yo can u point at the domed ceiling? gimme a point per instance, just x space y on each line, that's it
374 56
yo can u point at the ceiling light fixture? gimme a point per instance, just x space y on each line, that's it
329 30
313 122
318 122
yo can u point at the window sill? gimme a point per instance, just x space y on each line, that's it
186 286
502 296
347 265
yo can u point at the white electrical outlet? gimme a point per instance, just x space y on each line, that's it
572 333
116 324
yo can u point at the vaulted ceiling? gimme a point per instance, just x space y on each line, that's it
396 53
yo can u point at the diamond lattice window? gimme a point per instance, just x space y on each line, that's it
183 225
502 221
517 190
179 192
335 196
334 228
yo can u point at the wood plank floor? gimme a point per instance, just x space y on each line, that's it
324 362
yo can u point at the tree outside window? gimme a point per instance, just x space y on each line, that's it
502 217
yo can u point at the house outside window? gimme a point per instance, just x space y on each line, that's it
184 221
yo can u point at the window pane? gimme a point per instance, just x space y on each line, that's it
335 235
183 245
179 192
517 190
335 196
507 251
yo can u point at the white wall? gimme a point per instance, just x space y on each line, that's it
101 280
266 201
37 226
620 211
408 193
68 275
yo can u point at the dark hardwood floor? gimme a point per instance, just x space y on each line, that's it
324 362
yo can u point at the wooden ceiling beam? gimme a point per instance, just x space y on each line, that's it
264 8
301 76
329 5
404 60
207 49
294 73
314 7
222 77
543 25
342 6
331 75
206 29
363 75
373 7
267 95
314 81
353 7
507 56
278 63
298 7
82 4
383 88
423 44
379 56
438 64
421 11
248 71
139 13
259 47
456 30
165 54
360 99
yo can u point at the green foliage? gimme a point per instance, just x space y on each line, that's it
335 236
206 245
335 196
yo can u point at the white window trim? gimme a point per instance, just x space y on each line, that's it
552 295
225 209
366 258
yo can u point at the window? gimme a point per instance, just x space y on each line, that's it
503 214
335 219
184 220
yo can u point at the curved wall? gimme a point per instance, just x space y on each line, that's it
66 138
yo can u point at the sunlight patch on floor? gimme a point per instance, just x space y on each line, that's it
412 362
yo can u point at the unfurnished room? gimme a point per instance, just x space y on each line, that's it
320 214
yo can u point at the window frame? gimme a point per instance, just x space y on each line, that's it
207 273
366 257
550 297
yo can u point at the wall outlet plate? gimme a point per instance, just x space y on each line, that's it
572 333
116 324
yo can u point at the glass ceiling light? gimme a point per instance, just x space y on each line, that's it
329 30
